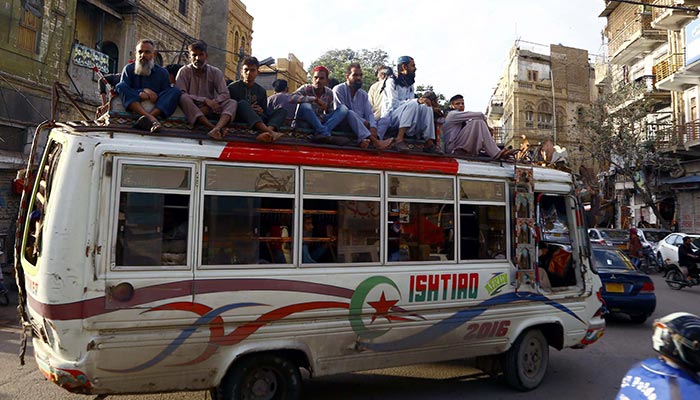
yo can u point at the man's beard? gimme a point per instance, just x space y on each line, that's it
356 85
201 65
407 79
144 68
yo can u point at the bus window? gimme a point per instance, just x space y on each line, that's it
248 215
482 220
341 217
35 218
420 230
154 214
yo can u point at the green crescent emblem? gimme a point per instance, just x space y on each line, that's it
357 302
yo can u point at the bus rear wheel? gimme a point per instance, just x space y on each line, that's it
262 377
525 363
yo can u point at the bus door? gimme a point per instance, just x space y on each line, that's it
152 255
559 227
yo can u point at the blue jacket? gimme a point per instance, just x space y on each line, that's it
653 379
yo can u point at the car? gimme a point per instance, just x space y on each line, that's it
667 249
650 238
625 289
609 237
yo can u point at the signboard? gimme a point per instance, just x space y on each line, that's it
692 42
86 57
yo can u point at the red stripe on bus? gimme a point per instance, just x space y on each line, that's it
306 155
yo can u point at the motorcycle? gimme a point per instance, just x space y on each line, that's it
676 277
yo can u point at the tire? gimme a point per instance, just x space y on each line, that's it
639 319
264 376
525 363
673 279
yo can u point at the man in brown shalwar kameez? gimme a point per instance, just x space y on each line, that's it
204 92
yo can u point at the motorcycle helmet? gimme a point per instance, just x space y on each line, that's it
677 336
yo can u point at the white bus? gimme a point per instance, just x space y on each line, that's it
171 263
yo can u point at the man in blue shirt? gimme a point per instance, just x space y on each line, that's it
675 375
144 80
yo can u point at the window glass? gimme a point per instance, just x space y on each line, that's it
483 231
340 231
341 183
152 229
554 219
480 190
148 176
420 232
421 187
247 230
249 179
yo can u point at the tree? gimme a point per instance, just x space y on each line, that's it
615 128
337 61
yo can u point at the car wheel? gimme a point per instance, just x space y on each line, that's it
674 279
265 376
639 319
525 363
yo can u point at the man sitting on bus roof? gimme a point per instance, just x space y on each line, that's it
252 103
316 106
204 92
360 118
466 132
144 80
401 110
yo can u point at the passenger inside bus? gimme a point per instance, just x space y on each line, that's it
312 251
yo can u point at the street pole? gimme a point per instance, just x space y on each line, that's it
238 68
554 106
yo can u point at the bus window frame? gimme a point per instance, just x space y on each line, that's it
454 202
506 203
203 192
117 190
380 198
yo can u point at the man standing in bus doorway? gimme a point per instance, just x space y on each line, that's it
144 80
316 106
401 110
360 117
204 92
252 103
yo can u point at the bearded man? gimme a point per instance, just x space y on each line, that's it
401 110
143 80
204 92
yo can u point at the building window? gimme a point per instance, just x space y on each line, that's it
29 24
182 7
544 116
693 109
532 75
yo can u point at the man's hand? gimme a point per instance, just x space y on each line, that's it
148 94
256 107
425 101
214 106
321 104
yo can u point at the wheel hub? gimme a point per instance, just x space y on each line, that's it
262 385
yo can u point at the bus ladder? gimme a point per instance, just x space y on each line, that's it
525 240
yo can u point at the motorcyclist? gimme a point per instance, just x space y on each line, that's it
675 374
688 259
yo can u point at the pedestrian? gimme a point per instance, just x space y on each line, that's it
634 248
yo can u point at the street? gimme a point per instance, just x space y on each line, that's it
591 373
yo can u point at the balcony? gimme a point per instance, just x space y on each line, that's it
683 140
661 98
496 106
669 18
635 39
672 73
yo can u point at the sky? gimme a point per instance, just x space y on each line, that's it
459 46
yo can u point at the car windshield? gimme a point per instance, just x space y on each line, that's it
695 242
612 260
618 235
655 236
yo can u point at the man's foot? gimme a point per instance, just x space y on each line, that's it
155 127
384 144
432 148
364 144
268 137
218 133
143 123
401 146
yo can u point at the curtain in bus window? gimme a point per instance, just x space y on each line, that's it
420 232
247 230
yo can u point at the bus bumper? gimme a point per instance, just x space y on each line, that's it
61 373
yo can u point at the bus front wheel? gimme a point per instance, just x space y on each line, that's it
264 376
525 363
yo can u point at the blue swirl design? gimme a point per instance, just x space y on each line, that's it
460 318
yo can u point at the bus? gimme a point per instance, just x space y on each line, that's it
172 262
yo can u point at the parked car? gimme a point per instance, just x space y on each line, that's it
650 238
609 237
667 249
625 289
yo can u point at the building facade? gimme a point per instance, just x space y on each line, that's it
229 39
539 94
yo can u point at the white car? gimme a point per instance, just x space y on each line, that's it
667 249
